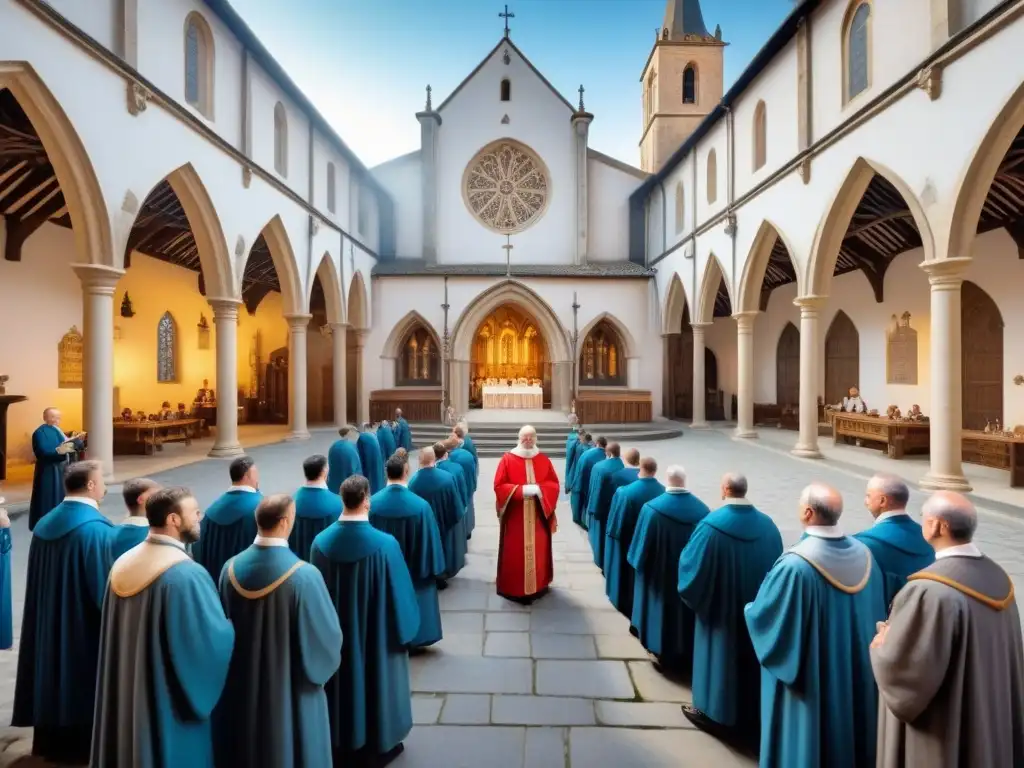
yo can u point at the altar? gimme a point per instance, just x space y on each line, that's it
513 396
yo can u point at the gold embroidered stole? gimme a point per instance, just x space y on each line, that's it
833 580
529 534
140 566
995 605
257 594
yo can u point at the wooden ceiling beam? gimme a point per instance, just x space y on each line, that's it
25 184
19 230
1015 229
254 295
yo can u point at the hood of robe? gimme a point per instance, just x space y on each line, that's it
844 563
977 577
683 508
140 566
900 532
258 571
351 541
66 517
740 520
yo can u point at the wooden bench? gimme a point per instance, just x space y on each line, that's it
146 437
996 451
613 406
418 404
898 438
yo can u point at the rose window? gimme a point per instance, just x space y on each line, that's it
506 187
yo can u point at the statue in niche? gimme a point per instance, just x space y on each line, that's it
204 332
127 310
70 352
901 351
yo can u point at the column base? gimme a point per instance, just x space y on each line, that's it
943 482
746 434
807 452
700 425
296 436
226 451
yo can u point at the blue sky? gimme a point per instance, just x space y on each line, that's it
366 63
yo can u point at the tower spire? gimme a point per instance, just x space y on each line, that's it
682 18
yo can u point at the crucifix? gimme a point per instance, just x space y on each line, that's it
581 97
508 255
506 16
575 340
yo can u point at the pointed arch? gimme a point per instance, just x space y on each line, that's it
836 221
358 303
674 307
756 263
285 264
629 347
714 276
90 220
330 279
412 319
980 172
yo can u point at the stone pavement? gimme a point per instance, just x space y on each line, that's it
561 683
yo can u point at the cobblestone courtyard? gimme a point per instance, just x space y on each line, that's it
561 683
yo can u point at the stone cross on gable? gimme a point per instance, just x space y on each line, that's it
506 16
581 96
508 255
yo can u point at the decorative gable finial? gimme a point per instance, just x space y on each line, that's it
718 32
429 107
506 16
581 97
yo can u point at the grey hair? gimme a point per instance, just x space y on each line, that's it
892 487
527 429
824 501
955 511
675 476
735 484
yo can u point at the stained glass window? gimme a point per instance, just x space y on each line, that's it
419 364
857 49
166 349
602 357
192 64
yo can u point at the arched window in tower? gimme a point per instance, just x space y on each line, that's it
280 139
857 49
712 177
332 198
601 365
506 90
166 350
760 135
690 84
199 65
680 207
418 363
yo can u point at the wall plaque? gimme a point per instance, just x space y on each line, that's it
901 351
70 353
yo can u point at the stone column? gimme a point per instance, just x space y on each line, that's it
430 125
225 320
946 419
339 332
745 374
297 325
362 401
810 367
98 284
581 121
700 387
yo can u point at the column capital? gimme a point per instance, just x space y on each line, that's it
810 303
745 320
224 309
298 320
700 326
338 326
98 278
946 272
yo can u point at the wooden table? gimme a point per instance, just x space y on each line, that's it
898 437
133 437
996 451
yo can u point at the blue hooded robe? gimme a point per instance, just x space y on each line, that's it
369 699
812 624
469 445
571 442
48 475
599 502
342 462
386 438
369 452
899 548
228 527
403 435
315 509
439 490
6 591
400 512
581 483
720 571
465 459
622 519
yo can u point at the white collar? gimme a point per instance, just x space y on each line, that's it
360 518
824 531
393 483
269 541
317 484
84 500
733 502
242 488
138 520
677 490
163 538
524 453
960 550
891 514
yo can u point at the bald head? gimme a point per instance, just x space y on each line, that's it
631 456
886 493
734 486
427 457
820 504
648 467
612 450
675 477
948 519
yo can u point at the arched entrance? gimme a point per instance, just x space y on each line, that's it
982 359
787 367
507 347
842 358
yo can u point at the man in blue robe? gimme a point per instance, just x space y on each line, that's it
580 487
599 499
53 451
400 512
443 462
343 459
581 446
368 449
165 650
812 624
386 438
134 529
663 624
68 564
438 489
6 588
720 571
403 435
461 431
895 540
229 525
459 455
315 506
369 699
273 713
621 525
575 435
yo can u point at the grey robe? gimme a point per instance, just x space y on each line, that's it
951 670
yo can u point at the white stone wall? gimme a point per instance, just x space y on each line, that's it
609 189
402 179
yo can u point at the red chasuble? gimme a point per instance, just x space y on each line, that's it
525 565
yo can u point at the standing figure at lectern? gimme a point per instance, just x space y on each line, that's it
53 450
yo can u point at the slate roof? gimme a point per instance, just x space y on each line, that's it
420 268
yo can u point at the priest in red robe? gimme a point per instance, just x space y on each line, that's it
526 489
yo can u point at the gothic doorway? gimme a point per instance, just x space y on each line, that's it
982 357
842 359
508 349
787 367
680 367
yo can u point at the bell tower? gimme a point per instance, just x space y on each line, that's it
681 82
